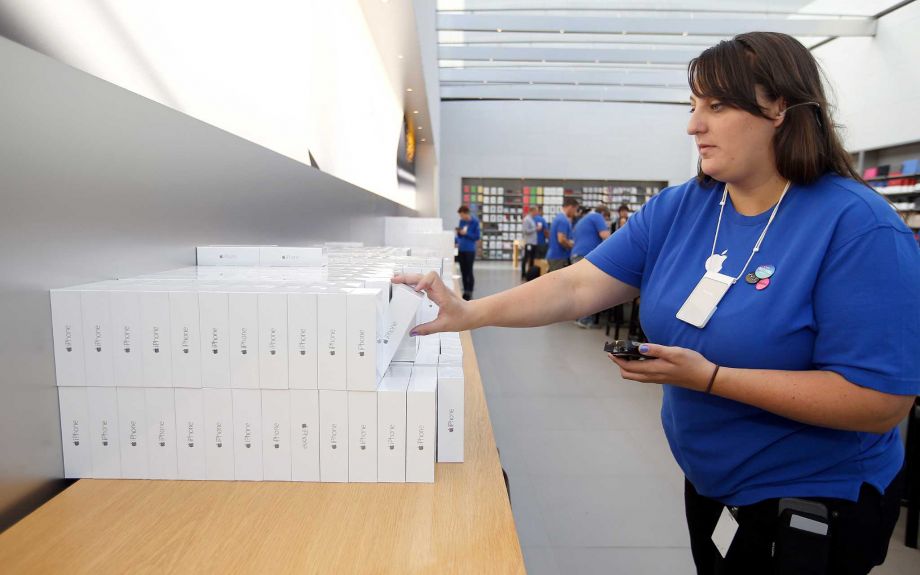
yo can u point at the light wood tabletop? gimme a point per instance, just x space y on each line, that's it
460 524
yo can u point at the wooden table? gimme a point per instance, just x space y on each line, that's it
460 524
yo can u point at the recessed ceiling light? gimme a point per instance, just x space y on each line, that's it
419 127
423 139
415 111
623 32
491 60
408 89
597 61
562 31
498 29
531 82
400 56
485 81
576 83
684 34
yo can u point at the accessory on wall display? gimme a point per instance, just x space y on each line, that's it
712 287
751 278
762 284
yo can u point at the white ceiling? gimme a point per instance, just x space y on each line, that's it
624 51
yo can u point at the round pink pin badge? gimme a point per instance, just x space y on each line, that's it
762 284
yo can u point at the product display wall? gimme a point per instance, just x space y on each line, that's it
502 203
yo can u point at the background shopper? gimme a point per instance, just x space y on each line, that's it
530 232
542 233
468 234
621 219
589 232
560 236
775 395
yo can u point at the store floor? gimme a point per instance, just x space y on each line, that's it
594 488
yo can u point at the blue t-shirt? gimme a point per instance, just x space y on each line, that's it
586 230
561 225
467 242
844 297
541 236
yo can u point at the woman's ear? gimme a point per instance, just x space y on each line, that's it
777 111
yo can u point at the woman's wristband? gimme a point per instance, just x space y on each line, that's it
712 379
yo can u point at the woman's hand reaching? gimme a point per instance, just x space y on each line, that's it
454 314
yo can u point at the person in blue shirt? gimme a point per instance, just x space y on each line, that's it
590 231
782 295
467 235
542 233
560 236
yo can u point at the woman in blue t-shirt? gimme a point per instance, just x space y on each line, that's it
782 295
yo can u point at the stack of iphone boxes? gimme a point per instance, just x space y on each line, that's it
262 363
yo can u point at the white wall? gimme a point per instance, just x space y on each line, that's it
293 75
574 140
877 81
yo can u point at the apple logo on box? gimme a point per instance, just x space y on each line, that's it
277 446
392 447
220 445
273 352
133 444
214 351
99 349
302 352
76 443
421 448
193 445
127 350
363 447
361 353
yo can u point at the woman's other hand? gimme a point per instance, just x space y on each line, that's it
674 365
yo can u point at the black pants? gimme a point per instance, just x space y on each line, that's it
859 532
466 270
530 253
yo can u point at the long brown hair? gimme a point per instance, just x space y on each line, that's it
806 145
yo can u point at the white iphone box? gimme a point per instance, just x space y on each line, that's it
391 426
214 317
228 255
244 340
450 414
273 346
218 435
75 434
186 341
331 344
276 435
67 331
421 424
103 416
156 338
161 433
401 315
304 434
407 350
247 441
333 447
191 450
97 335
362 436
302 340
291 256
362 369
127 355
132 425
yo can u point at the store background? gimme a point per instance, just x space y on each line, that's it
128 139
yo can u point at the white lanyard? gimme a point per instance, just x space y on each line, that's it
705 297
762 235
